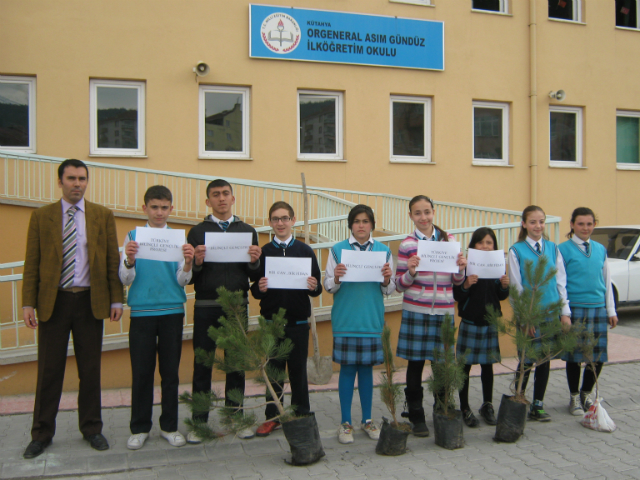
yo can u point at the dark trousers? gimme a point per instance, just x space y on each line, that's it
71 313
296 364
540 379
203 318
147 336
588 378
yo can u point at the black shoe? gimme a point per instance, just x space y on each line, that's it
487 413
420 430
97 441
469 418
36 448
538 413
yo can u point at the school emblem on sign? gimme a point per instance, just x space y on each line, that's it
280 33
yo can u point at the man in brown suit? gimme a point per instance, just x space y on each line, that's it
71 278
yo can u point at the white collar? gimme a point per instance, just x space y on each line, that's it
578 241
533 242
353 241
287 241
217 220
66 205
422 236
149 226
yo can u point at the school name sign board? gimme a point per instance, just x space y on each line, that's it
285 33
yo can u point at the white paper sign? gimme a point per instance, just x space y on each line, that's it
163 244
485 264
284 272
363 266
227 247
438 256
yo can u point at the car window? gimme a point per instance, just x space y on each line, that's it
618 241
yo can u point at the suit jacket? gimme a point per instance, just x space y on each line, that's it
43 262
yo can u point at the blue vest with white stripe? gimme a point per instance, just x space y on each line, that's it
155 289
525 252
585 282
358 307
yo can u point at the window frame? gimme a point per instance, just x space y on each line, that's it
94 150
245 153
626 166
579 163
423 3
637 27
577 13
339 131
506 131
426 101
31 83
503 9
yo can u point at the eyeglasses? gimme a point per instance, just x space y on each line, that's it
280 219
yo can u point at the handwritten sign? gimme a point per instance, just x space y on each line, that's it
438 256
289 272
485 264
162 244
363 266
227 247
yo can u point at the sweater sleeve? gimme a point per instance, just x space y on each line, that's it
404 280
461 294
502 293
315 272
259 273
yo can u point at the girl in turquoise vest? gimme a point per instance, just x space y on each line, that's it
357 320
591 298
532 245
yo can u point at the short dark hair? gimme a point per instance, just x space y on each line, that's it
71 162
479 235
357 210
217 183
157 192
278 206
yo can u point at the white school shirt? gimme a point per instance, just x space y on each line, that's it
515 278
329 277
606 274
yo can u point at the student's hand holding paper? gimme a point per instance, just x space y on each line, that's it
338 272
130 251
471 280
199 253
504 281
255 252
462 262
386 273
263 284
312 283
412 264
188 251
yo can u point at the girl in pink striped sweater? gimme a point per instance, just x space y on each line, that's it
428 296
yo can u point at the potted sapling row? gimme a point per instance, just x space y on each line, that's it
252 351
393 435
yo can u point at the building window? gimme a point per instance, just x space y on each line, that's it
490 5
18 114
410 129
490 133
117 104
565 141
224 114
627 13
565 10
628 140
315 110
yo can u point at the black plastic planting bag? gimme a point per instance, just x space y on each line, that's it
304 440
392 441
448 430
512 417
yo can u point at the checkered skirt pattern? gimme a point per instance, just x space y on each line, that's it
419 336
596 321
357 350
478 343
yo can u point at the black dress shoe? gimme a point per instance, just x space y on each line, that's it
35 448
97 441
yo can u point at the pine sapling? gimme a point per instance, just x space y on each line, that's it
390 392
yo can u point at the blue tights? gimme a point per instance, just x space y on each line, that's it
346 383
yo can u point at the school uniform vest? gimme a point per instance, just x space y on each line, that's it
585 282
358 307
155 290
525 252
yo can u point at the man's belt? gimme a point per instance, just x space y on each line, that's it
74 289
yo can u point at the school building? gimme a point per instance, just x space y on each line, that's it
484 105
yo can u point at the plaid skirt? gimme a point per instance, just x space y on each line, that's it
479 344
357 350
419 336
596 321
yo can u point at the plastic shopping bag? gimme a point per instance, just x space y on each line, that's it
597 418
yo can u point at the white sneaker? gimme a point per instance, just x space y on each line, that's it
345 433
575 407
245 433
175 439
137 440
193 438
372 430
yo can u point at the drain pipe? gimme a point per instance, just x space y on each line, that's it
533 96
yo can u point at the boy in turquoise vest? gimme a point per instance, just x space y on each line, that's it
156 297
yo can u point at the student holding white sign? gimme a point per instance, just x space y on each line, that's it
296 303
156 298
428 296
208 277
357 319
477 340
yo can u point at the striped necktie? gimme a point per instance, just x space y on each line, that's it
586 247
224 226
69 240
363 247
538 248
